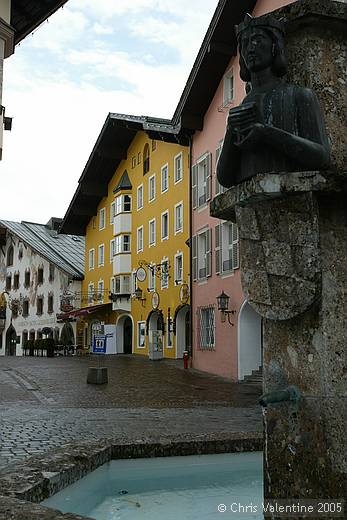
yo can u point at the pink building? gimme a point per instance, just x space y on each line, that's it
213 87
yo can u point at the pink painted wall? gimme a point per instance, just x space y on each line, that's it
223 360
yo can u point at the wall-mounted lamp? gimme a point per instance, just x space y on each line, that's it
139 295
223 305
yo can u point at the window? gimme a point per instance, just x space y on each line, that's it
112 211
227 253
91 259
25 307
122 244
140 239
165 225
102 218
201 255
94 223
206 330
51 273
201 181
39 305
40 275
178 168
139 158
123 204
219 187
27 278
16 281
151 188
122 284
228 87
50 302
141 334
151 233
178 268
146 159
151 277
112 285
100 291
140 196
112 249
164 273
154 145
165 178
90 293
101 255
134 283
8 282
179 217
133 162
32 334
10 254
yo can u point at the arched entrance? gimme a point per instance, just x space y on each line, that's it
182 329
124 335
11 341
67 336
249 341
155 327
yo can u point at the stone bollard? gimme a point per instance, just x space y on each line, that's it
97 375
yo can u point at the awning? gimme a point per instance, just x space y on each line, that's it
82 312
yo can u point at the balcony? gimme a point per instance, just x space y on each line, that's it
122 223
122 263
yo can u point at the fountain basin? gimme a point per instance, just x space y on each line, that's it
188 487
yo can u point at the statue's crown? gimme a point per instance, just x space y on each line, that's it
266 22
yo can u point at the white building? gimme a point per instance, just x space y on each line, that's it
39 268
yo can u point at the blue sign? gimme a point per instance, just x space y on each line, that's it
99 345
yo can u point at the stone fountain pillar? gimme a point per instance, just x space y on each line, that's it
293 233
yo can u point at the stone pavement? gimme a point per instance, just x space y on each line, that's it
46 403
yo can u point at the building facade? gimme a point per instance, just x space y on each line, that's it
136 223
39 271
227 344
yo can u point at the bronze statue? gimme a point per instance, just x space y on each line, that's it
278 127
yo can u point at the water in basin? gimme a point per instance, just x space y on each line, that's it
170 488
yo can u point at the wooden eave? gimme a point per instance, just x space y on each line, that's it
218 47
27 15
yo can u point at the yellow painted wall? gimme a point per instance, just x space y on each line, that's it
169 298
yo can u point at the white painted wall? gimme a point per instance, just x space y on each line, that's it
249 341
122 223
122 264
30 259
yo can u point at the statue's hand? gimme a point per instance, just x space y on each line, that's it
253 137
242 117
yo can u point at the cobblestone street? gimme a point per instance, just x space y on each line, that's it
46 403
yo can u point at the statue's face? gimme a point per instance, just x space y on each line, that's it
256 49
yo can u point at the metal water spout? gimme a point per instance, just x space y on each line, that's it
291 393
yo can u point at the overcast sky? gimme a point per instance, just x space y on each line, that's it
92 57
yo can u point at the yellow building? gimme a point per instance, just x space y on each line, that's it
132 204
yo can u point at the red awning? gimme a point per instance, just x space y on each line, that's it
81 312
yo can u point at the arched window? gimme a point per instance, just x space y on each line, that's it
9 256
146 159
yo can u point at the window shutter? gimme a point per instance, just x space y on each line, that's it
195 185
218 251
208 176
194 257
208 252
218 186
236 247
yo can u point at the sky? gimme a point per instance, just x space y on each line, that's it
90 58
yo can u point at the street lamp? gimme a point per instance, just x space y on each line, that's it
223 305
138 295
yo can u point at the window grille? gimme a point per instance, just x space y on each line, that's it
206 329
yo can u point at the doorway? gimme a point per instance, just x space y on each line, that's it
249 341
182 324
128 336
11 341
